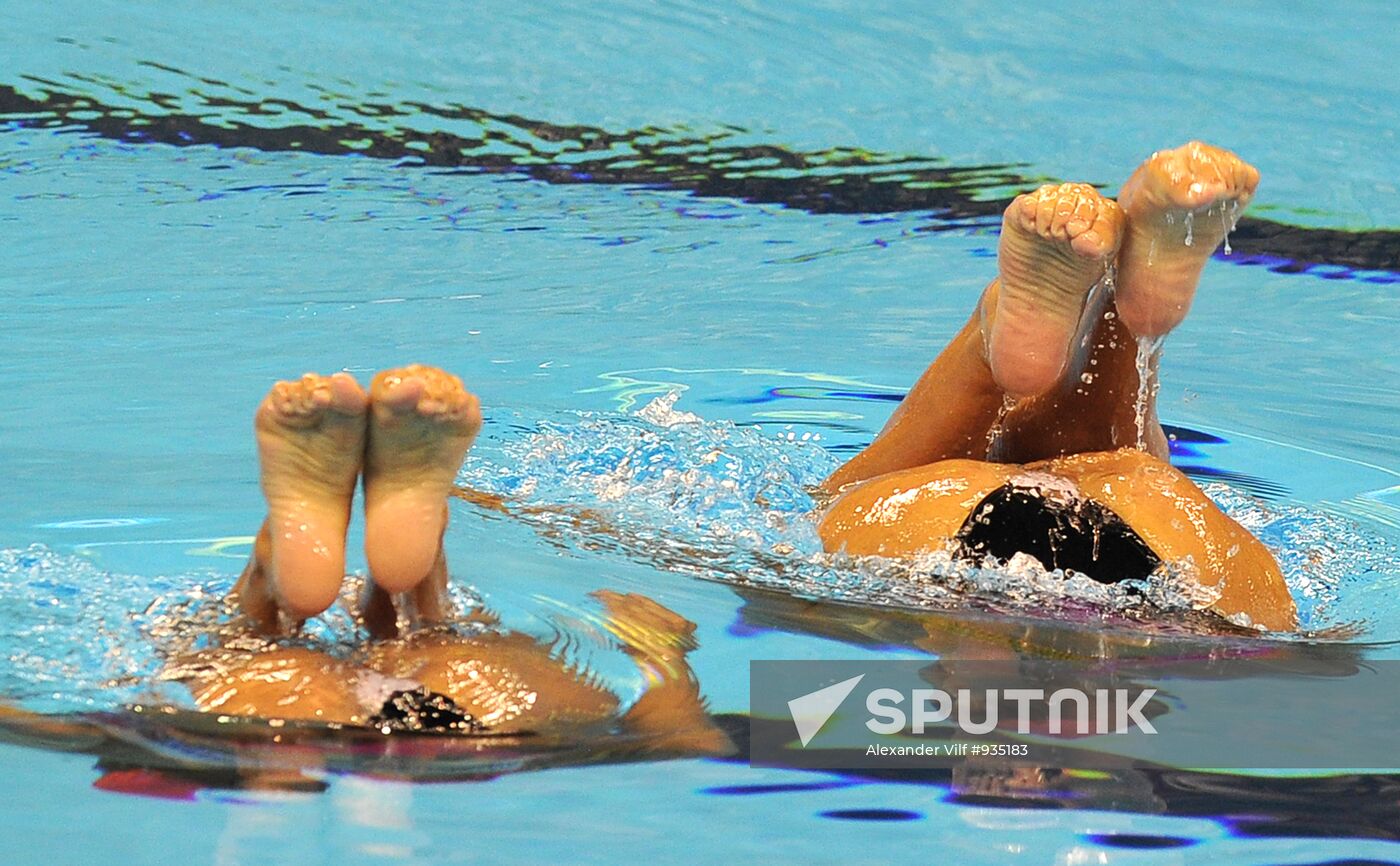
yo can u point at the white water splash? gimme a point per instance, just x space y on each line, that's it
662 412
707 499
76 638
728 503
1148 352
72 632
995 432
1337 571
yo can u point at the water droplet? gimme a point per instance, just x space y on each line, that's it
998 427
1147 351
1229 217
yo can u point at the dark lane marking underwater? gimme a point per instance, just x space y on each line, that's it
841 180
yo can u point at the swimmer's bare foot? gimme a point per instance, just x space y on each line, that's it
1179 204
311 435
1056 243
422 421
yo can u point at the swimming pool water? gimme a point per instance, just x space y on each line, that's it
646 200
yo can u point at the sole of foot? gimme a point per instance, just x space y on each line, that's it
1180 205
422 421
311 438
1056 244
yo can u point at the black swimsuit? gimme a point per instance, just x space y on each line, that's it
1061 531
421 711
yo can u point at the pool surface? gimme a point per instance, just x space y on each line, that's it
690 256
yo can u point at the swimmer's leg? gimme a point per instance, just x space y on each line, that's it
427 602
422 421
910 511
1182 525
947 414
507 680
670 714
1180 204
1102 404
310 435
1055 247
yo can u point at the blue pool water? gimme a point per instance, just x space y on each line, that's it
773 214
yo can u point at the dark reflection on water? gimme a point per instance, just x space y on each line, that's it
1343 805
176 754
725 163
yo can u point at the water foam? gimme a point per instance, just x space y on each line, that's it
77 638
733 503
709 499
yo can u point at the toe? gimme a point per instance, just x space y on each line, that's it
1064 212
1046 203
283 405
279 397
1193 176
1021 213
303 401
1083 213
468 411
346 395
1249 177
1104 229
315 392
1091 244
398 389
429 392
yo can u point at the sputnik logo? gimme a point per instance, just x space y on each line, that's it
814 709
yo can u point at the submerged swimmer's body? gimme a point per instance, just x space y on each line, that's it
317 437
1065 415
1069 486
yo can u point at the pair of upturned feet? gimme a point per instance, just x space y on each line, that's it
1058 242
317 436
